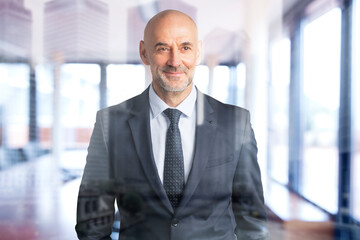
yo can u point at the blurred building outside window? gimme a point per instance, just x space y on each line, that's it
321 81
279 111
14 112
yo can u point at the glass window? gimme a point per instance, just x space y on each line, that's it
355 181
220 88
14 110
80 102
201 78
279 111
45 88
124 81
241 82
228 83
321 82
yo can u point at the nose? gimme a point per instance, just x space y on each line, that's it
174 58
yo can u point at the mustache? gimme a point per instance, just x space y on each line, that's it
174 69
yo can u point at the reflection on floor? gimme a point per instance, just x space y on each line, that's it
35 203
299 219
38 202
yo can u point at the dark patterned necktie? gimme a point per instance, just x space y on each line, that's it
174 180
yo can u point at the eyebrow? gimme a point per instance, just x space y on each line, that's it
187 43
161 44
167 45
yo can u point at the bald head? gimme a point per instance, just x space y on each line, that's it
169 16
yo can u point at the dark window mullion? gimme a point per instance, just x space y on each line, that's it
344 135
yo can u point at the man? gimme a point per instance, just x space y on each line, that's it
183 174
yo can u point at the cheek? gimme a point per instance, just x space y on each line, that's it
154 66
158 60
189 62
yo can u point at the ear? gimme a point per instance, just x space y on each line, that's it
143 53
199 53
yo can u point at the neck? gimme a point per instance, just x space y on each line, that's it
173 99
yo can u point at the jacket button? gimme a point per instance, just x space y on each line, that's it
174 222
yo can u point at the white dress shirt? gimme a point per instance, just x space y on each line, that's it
159 124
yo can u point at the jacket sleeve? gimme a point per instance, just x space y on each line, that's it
247 198
95 206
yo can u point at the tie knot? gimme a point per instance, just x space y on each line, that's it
173 115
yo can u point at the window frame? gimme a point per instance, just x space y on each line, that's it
293 20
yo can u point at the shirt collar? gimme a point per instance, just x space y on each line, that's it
157 105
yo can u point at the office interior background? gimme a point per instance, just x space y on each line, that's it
293 63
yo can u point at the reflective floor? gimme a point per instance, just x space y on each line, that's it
38 201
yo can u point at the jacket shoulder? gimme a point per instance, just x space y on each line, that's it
221 107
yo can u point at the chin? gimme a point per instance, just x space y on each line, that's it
179 87
176 87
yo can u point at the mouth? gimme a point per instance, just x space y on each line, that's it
174 74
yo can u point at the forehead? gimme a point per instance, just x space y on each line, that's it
171 28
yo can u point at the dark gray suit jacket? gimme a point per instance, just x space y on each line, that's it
223 197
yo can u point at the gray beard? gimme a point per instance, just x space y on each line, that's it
168 88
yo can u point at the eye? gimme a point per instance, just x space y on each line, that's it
186 48
162 49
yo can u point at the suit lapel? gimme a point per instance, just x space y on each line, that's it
140 129
205 132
